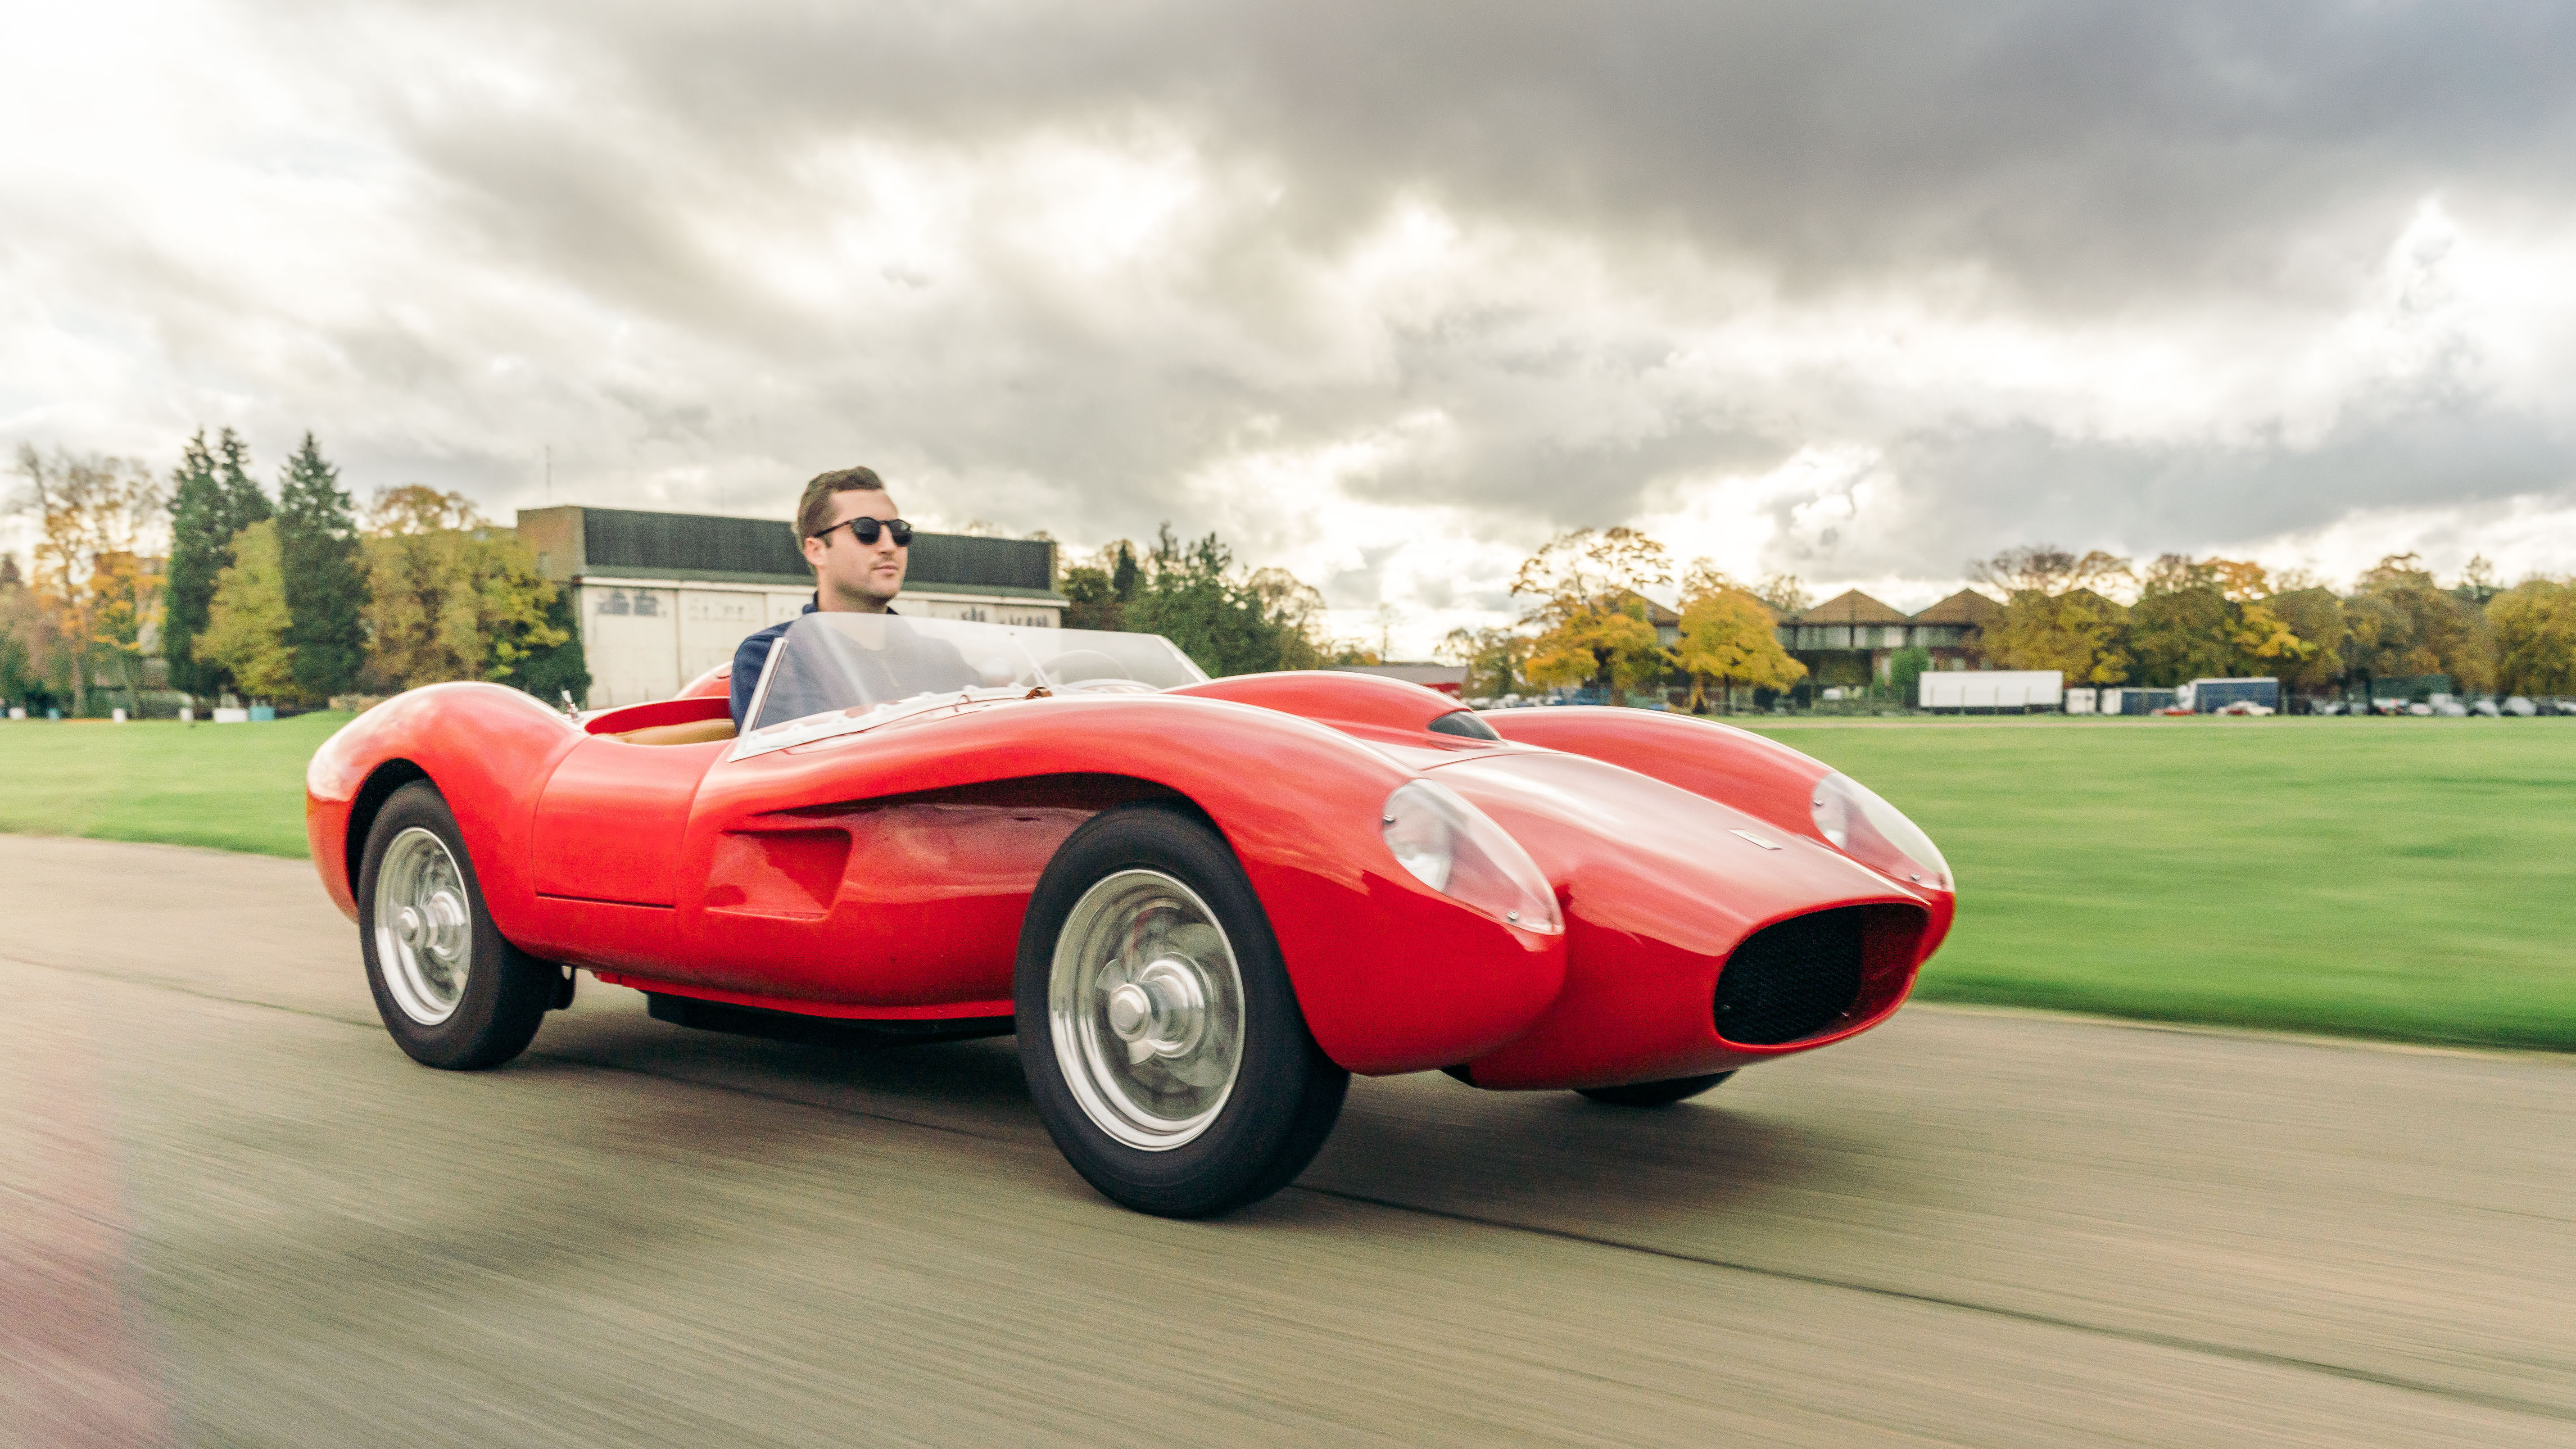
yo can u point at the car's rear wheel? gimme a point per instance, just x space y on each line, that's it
452 992
1161 1037
1653 1094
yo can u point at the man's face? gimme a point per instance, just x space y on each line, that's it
855 577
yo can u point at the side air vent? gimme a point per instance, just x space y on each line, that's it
1791 980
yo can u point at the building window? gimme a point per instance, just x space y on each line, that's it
647 603
613 601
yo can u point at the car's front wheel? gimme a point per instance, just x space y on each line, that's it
452 992
1161 1037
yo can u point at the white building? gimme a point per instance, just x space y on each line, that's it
664 597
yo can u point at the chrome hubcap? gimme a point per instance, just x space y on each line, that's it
1145 1005
424 930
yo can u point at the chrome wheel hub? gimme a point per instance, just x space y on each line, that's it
424 929
1145 1004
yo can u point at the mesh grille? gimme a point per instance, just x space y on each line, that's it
1791 980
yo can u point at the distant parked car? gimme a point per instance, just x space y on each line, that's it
2243 707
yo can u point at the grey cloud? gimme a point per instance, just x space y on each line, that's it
2087 152
2085 160
1971 492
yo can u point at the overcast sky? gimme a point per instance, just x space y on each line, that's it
1384 293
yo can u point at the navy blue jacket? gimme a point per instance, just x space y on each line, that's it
753 653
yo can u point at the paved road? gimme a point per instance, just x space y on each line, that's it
233 1213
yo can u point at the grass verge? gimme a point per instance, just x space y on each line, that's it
232 787
2388 878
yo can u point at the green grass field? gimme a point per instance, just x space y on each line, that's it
2394 878
233 787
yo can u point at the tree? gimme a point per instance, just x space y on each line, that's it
2535 637
32 665
552 672
2054 615
1729 635
449 597
2316 616
1586 606
325 572
244 504
197 543
1097 593
97 524
1493 657
1188 594
212 499
2416 627
248 624
1298 609
1905 668
2044 568
1785 592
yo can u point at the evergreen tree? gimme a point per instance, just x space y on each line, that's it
326 582
212 500
244 504
200 546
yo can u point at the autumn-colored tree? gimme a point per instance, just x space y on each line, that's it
2416 627
2535 637
1591 619
97 534
1786 593
1493 657
1297 608
32 661
1730 636
450 597
2316 616
247 621
2054 615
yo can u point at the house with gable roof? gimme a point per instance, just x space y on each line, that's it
1852 638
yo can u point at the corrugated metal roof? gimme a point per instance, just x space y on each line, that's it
632 541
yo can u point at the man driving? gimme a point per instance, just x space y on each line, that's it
858 550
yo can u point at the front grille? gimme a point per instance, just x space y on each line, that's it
1791 980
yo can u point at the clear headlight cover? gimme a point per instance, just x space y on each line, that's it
1457 850
1877 834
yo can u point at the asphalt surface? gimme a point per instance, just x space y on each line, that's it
231 1212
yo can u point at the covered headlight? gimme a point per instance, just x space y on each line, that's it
1875 833
1457 850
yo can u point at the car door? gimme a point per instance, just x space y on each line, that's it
608 836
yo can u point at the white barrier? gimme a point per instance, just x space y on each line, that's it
1992 689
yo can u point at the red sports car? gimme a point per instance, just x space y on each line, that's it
1201 904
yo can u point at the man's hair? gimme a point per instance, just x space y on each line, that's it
814 510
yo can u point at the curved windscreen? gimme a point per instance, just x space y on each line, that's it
855 664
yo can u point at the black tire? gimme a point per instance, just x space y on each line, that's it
1285 1093
505 993
1653 1094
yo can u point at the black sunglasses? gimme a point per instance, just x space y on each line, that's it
865 528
